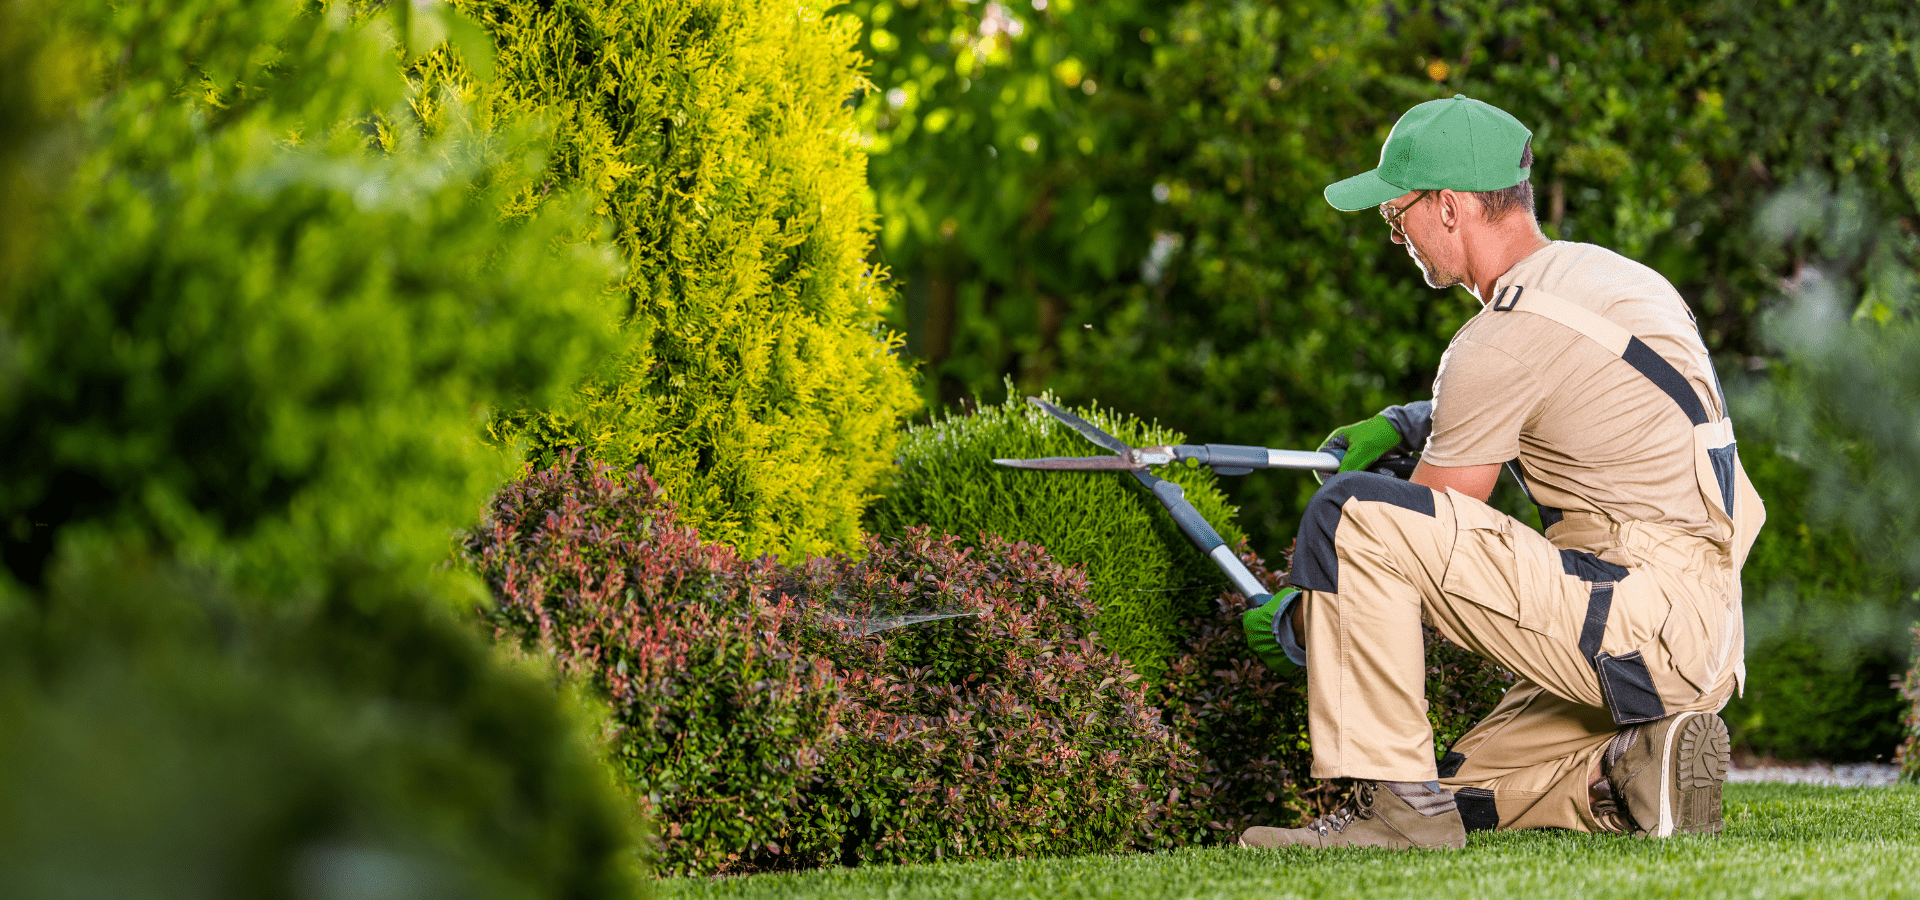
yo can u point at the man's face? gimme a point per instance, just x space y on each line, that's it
1414 221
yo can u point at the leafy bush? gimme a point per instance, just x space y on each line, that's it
1836 610
243 376
167 739
718 726
227 344
1144 575
714 140
1007 733
1249 725
762 733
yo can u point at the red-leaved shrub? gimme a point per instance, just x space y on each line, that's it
760 730
717 725
1011 732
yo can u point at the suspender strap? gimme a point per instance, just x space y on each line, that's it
1599 604
1616 339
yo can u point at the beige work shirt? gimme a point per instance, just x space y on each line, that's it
1591 432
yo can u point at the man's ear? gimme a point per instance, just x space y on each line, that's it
1453 209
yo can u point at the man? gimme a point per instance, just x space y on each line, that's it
1585 373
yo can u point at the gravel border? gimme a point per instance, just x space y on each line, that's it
1841 775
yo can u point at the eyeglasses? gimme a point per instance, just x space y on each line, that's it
1392 214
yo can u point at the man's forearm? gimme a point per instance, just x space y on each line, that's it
1474 481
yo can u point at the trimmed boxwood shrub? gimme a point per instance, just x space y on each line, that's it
1143 573
761 732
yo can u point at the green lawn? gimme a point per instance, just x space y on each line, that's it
1781 841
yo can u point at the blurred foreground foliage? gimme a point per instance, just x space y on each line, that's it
1842 403
245 364
1122 202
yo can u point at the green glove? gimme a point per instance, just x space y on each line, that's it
1263 634
1364 442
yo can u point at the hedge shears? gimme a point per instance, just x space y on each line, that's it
1224 459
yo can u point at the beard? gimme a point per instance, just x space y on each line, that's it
1436 278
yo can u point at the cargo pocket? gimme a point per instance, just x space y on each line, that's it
1686 639
1496 569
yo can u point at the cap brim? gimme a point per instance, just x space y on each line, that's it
1363 191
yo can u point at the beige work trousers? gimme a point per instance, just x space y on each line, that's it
1377 556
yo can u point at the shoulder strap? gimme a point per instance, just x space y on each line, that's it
1616 339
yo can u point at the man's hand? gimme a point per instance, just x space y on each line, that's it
1396 428
1364 443
1473 481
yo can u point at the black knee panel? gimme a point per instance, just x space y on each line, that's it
1477 812
1315 567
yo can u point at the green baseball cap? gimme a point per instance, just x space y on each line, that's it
1458 143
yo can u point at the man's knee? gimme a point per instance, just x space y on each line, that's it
1315 566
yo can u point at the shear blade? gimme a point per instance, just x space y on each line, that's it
1069 462
1086 429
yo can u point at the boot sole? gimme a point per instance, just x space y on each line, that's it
1696 754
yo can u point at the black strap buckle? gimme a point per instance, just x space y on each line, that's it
1500 302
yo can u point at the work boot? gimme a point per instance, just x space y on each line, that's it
1666 775
1399 815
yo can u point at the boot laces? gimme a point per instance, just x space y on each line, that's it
1358 805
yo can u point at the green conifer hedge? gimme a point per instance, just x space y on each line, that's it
754 379
1146 577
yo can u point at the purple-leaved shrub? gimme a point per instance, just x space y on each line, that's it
716 724
760 731
1012 732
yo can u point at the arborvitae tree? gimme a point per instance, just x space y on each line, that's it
755 379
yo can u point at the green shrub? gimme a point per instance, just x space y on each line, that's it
713 137
263 357
243 380
1840 405
762 733
1145 576
167 740
1818 613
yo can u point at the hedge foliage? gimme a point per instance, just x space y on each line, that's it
1145 576
713 139
762 733
244 374
1840 604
